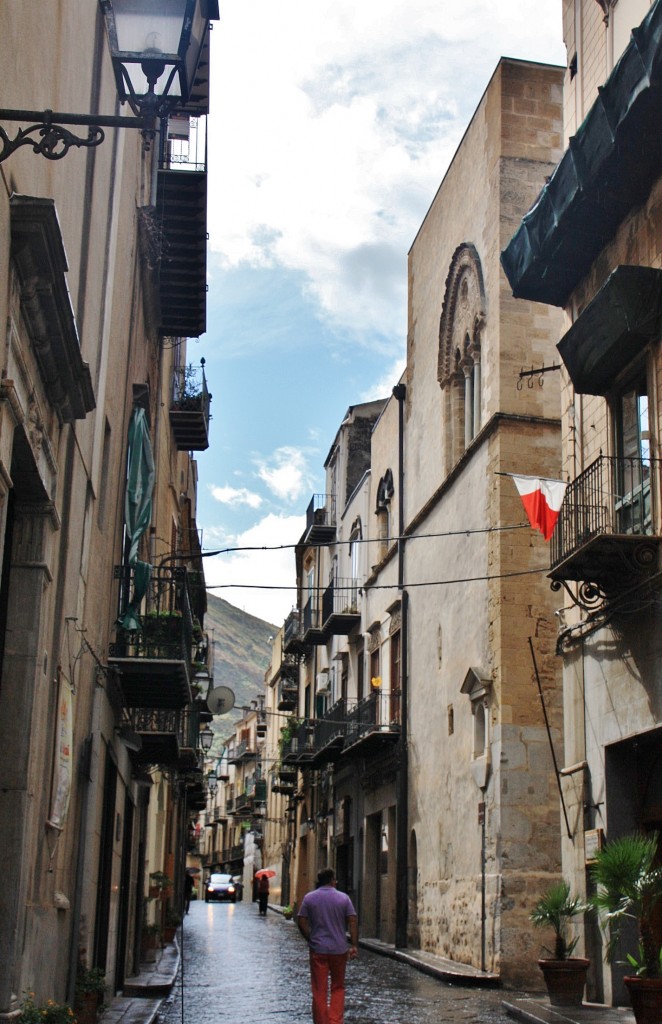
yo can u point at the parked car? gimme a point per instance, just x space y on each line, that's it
220 887
239 886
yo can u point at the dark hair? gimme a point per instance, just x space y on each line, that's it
325 876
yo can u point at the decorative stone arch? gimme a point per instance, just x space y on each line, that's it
459 364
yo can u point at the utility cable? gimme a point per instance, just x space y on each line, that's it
385 586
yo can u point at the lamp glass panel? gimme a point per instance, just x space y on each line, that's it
151 27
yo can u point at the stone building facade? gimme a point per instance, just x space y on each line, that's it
605 551
92 380
424 772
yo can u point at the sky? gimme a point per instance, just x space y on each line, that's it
331 127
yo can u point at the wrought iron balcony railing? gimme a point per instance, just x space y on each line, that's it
608 513
154 659
367 727
340 607
189 408
321 520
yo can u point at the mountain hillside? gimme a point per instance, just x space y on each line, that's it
241 653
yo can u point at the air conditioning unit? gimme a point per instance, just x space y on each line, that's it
322 684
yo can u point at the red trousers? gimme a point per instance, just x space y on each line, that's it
325 967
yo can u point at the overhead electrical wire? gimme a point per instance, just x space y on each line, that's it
370 540
387 586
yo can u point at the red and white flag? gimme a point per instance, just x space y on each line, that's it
542 501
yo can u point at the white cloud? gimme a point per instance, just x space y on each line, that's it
260 570
286 473
332 125
383 387
235 496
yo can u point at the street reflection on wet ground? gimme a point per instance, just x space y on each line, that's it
238 966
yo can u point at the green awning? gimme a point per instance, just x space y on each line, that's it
608 169
618 323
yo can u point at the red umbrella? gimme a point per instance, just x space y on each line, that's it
265 873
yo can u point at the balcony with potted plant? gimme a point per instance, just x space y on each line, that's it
152 651
189 408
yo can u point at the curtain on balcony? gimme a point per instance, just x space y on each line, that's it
138 509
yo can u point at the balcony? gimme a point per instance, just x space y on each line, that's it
320 520
288 686
244 751
292 637
366 733
181 224
300 748
160 731
154 660
340 609
311 632
189 408
605 531
329 736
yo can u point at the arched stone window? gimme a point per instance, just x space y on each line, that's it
459 367
355 538
385 492
477 687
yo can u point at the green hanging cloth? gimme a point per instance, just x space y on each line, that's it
138 510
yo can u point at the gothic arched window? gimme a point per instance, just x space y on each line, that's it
459 367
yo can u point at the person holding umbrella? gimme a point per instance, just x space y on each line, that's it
263 877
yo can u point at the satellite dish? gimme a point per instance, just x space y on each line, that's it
220 700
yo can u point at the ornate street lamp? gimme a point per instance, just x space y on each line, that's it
155 48
206 738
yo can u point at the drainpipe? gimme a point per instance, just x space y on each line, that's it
402 784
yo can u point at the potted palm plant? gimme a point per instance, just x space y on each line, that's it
629 886
565 975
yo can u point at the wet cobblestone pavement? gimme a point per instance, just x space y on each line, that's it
240 967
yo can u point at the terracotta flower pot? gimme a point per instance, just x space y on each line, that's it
646 999
565 980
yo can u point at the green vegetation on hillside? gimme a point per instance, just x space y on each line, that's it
242 653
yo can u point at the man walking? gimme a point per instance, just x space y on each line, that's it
324 917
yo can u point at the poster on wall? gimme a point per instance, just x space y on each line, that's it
63 757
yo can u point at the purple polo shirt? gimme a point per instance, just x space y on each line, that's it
327 911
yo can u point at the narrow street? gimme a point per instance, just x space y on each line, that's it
238 967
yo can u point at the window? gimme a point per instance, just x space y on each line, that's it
633 464
355 549
396 692
385 493
360 673
374 668
459 365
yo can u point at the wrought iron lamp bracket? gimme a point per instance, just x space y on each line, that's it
48 136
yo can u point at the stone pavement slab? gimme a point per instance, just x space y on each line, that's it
131 1011
143 994
538 1011
437 966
